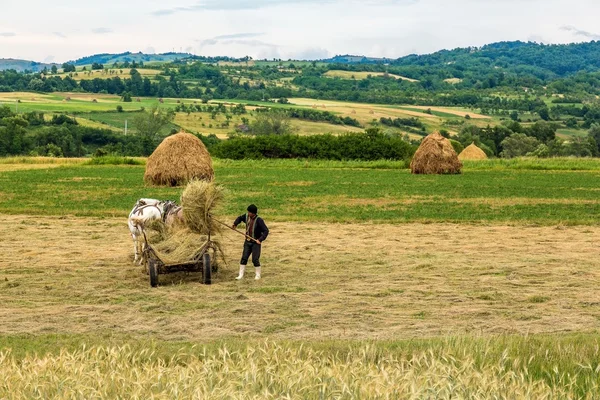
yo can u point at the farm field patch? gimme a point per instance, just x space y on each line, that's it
488 192
363 75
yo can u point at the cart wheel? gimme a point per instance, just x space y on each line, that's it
153 272
206 266
215 265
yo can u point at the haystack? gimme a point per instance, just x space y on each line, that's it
435 156
179 159
472 152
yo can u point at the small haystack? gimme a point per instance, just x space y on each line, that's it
435 156
472 152
178 160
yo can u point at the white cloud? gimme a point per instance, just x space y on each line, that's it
288 28
101 31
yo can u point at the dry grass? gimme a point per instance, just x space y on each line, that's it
366 113
95 124
201 122
110 73
453 81
458 113
363 75
321 281
28 163
273 371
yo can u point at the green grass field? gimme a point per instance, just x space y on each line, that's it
291 191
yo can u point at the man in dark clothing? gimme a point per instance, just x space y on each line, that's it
256 233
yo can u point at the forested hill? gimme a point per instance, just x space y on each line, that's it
110 59
543 60
22 65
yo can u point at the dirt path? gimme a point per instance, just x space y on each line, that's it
74 275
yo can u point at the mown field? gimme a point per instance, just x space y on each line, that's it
377 284
362 75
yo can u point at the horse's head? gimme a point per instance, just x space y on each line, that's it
167 206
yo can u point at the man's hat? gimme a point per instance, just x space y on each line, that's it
253 209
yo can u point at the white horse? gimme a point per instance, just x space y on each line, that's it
144 211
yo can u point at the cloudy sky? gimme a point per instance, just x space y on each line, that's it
63 30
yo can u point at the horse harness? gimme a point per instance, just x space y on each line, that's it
169 208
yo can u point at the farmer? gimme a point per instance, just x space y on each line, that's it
256 233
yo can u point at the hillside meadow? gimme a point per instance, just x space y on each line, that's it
89 108
472 286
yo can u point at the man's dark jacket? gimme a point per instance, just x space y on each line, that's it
260 228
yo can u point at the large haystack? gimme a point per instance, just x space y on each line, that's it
472 152
435 156
179 159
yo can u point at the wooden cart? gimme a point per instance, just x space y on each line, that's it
201 263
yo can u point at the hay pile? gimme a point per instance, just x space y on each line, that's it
472 152
435 156
178 160
199 200
177 244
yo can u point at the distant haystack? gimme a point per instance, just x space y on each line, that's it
472 152
179 159
435 156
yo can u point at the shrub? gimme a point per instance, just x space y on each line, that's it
458 147
352 146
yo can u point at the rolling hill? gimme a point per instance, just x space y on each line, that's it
22 65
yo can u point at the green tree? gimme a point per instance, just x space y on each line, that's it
544 113
271 123
149 123
54 70
36 85
518 145
594 133
68 67
12 135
